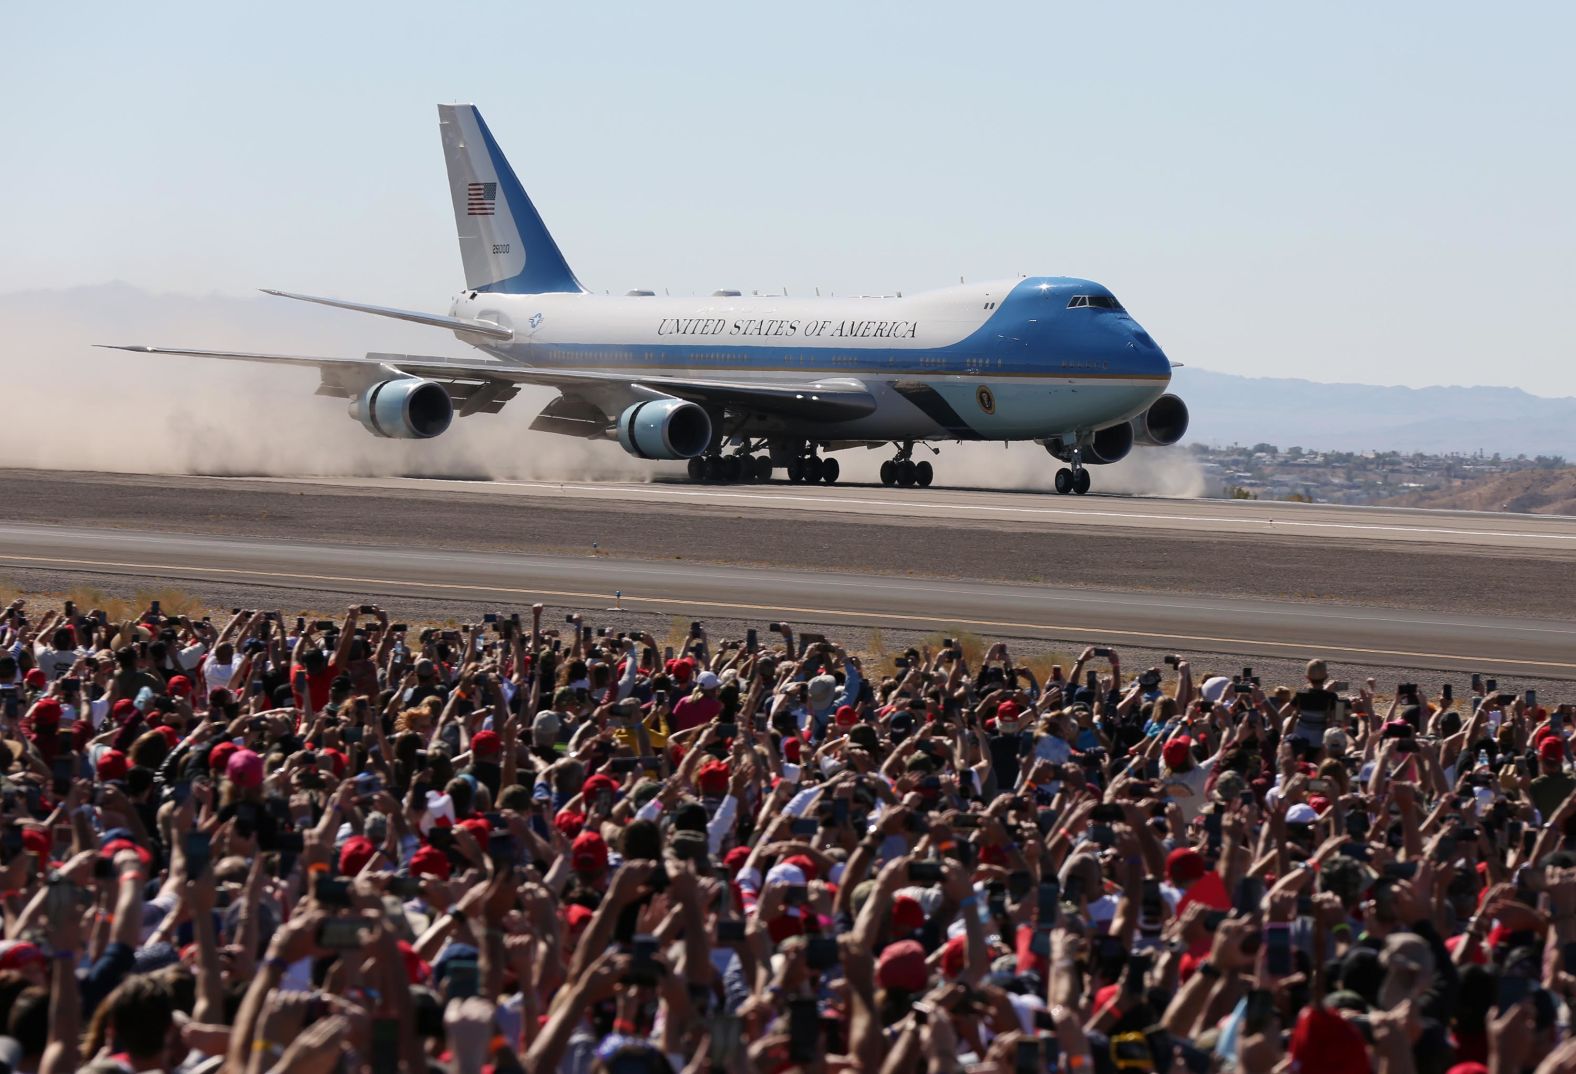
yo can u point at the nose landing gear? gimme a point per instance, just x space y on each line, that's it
1073 479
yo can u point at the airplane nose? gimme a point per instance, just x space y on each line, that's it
1143 346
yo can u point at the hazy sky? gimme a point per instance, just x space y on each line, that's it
1378 192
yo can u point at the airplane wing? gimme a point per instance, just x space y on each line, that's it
482 386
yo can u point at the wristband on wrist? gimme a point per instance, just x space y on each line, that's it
968 901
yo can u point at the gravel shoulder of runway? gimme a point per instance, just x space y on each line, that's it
218 598
1312 569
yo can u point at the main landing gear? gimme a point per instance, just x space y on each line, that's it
904 472
743 466
811 469
740 467
1074 479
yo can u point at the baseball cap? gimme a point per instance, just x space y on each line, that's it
902 967
1185 865
486 744
354 855
1177 751
112 764
1551 749
429 861
245 769
1301 813
907 914
588 853
712 778
707 681
544 729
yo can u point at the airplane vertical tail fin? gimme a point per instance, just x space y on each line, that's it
503 242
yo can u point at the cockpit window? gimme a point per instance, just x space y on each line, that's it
1100 302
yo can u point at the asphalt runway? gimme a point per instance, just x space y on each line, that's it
1504 644
1556 533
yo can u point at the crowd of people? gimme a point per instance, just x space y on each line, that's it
286 844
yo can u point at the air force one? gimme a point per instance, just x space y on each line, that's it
742 386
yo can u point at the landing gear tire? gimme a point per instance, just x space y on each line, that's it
1081 482
795 470
905 473
889 473
697 468
831 469
813 467
1064 481
924 474
763 468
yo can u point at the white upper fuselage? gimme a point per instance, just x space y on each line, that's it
1006 360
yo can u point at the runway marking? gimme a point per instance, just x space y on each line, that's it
1057 512
1062 629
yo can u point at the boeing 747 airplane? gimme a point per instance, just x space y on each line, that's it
744 386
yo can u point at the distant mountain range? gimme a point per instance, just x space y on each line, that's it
1283 411
52 330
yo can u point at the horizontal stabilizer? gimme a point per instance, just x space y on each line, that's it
485 329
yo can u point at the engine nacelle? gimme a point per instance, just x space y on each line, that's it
1163 424
1110 444
664 429
404 408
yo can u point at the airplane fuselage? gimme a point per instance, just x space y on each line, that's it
1018 359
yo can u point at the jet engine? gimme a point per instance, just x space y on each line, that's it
1163 424
1110 444
404 408
664 429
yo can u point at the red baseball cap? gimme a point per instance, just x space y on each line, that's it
179 686
569 822
1551 749
219 757
846 716
1328 1043
1177 751
354 855
588 853
486 744
599 782
35 678
902 966
712 778
112 764
429 861
907 914
954 954
1185 865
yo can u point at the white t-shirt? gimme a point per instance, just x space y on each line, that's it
218 675
1187 788
54 663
